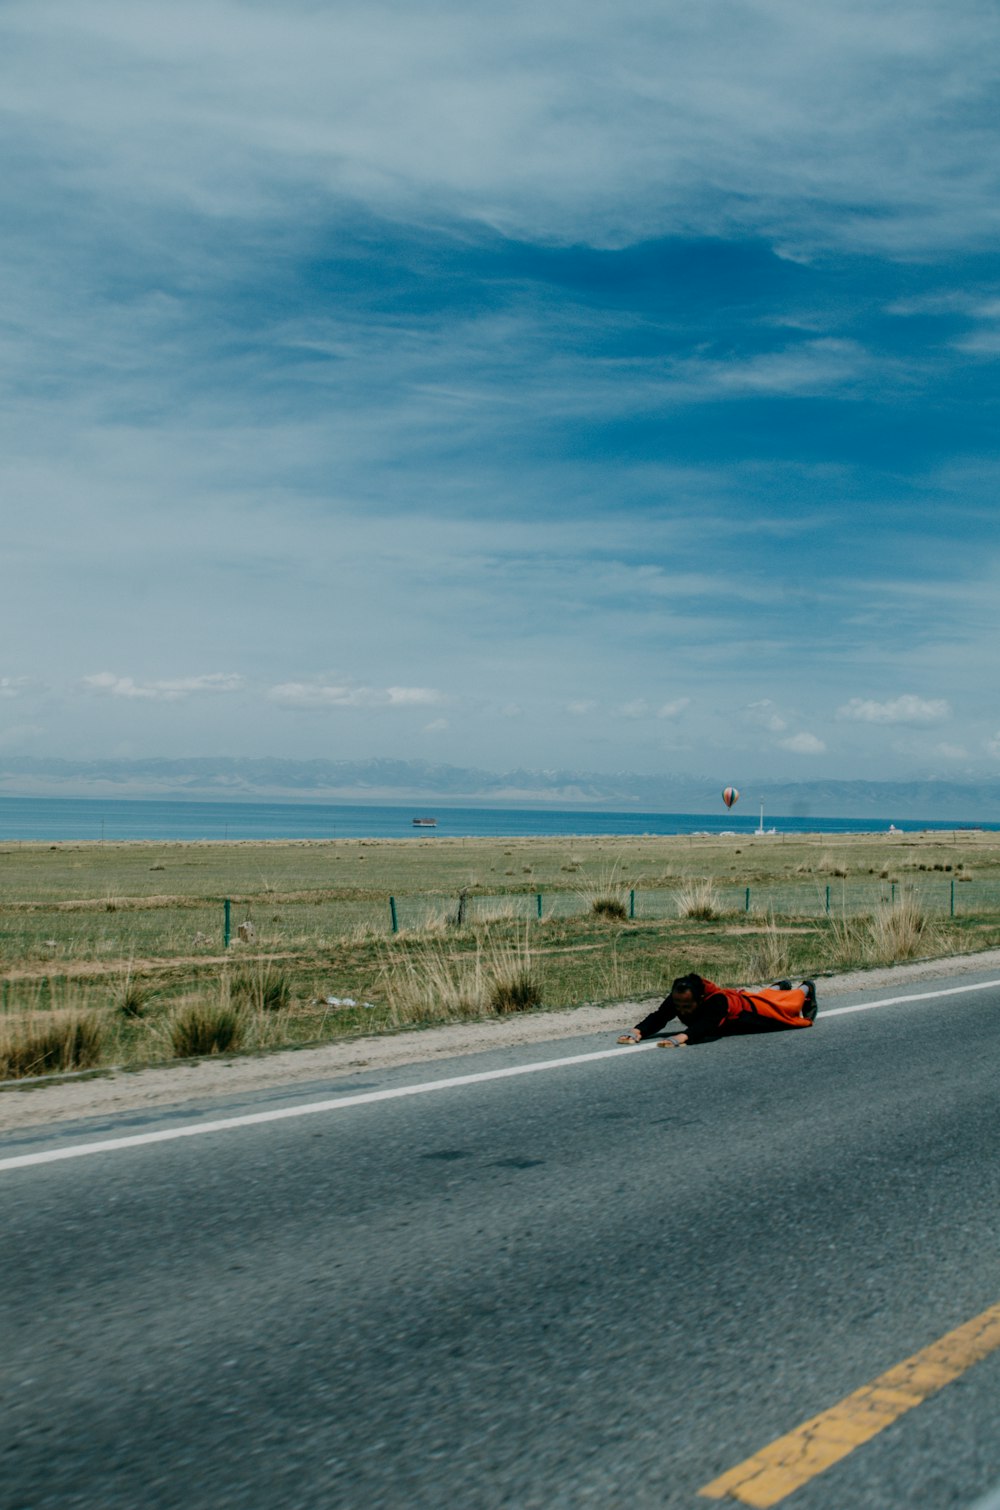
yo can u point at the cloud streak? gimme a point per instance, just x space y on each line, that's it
907 709
319 696
526 122
172 689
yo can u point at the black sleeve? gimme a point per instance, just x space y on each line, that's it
707 1022
656 1020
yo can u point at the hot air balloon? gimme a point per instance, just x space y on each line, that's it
730 795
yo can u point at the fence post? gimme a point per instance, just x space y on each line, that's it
828 901
953 899
392 914
747 904
226 911
538 904
893 885
631 903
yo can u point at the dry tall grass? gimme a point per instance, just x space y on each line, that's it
609 907
61 1044
895 931
513 981
487 913
698 900
437 986
206 1027
768 957
608 897
625 981
131 994
262 987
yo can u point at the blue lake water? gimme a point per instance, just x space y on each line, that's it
58 819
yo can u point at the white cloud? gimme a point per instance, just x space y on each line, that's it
765 715
951 752
324 695
907 709
803 744
672 709
317 695
436 726
169 690
13 686
410 697
811 367
982 343
638 708
581 707
511 710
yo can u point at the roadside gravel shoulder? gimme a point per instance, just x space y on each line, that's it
173 1085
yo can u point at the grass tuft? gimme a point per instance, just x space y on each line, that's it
432 986
60 1045
262 989
900 931
132 995
698 900
608 897
201 1027
437 986
895 931
768 957
513 982
609 907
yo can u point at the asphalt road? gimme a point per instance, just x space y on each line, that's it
601 1284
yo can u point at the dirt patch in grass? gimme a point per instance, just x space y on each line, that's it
741 932
94 969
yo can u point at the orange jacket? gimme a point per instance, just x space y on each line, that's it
777 1008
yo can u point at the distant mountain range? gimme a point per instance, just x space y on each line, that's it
408 781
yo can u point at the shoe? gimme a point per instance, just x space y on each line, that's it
811 1006
781 985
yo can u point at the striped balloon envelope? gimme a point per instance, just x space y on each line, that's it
730 795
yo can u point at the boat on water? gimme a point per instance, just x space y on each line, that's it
425 823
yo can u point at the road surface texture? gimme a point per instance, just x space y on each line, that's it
603 1283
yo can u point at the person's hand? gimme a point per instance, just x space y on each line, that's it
675 1041
632 1037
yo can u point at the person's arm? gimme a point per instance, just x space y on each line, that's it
663 1014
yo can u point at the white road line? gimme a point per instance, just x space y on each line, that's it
893 1001
311 1108
989 1501
194 1130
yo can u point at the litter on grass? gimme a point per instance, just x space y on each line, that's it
342 1001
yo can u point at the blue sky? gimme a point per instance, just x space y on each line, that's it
601 388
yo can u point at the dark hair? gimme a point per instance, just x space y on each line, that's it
692 983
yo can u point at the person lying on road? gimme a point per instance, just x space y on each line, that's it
709 1011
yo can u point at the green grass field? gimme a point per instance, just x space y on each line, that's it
128 937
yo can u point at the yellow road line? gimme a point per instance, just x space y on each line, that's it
791 1461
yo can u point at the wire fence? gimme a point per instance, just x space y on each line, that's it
165 931
410 914
843 899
